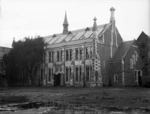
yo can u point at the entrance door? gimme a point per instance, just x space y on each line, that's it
57 79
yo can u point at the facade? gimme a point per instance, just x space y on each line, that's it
127 65
143 42
93 57
80 57
3 50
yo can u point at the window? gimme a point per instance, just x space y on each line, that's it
131 64
134 60
87 49
80 53
51 56
67 55
80 73
61 55
68 73
77 76
136 55
76 53
116 78
91 52
87 73
58 56
70 57
50 74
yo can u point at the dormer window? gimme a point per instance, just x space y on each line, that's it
87 29
54 35
69 32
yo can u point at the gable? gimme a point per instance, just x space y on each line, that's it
122 50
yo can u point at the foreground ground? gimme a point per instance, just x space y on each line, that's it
119 98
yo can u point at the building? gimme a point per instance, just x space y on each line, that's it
81 57
94 56
3 50
143 42
126 66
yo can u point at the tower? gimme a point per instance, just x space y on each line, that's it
65 24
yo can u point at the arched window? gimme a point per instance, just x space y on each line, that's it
131 64
136 55
134 59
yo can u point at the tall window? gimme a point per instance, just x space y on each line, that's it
136 55
61 55
70 56
76 54
87 73
87 52
58 56
67 55
80 53
77 76
50 74
134 59
68 73
131 64
80 73
51 56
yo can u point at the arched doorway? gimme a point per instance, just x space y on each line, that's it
57 80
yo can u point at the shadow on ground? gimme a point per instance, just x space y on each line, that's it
13 99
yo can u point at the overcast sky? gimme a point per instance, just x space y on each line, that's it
20 18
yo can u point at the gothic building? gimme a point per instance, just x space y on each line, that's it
92 56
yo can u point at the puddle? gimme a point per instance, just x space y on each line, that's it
63 107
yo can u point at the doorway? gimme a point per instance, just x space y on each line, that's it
57 79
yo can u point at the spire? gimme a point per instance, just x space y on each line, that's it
94 25
65 24
112 18
65 20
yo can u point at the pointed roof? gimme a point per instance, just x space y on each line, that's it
122 50
94 25
65 19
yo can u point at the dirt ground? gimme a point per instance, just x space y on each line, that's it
106 97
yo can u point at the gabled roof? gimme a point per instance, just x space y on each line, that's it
79 34
122 50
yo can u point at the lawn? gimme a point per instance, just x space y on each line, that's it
107 97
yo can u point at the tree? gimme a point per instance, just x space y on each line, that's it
23 61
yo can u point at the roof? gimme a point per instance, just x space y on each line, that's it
79 34
122 50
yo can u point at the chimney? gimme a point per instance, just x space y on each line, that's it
112 17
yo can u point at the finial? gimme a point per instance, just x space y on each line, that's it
65 24
65 20
94 25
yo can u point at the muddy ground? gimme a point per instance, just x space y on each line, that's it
98 98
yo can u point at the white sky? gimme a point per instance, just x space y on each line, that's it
20 18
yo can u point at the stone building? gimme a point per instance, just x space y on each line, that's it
81 57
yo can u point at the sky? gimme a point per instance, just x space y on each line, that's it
23 18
